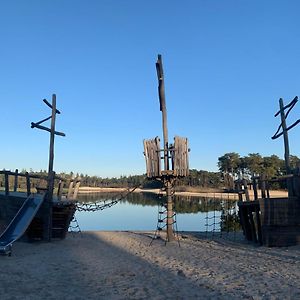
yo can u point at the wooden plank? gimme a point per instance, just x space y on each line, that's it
152 156
180 166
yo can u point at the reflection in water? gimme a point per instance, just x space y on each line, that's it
139 211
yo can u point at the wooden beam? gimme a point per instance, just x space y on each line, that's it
33 125
48 104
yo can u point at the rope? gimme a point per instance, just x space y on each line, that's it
95 206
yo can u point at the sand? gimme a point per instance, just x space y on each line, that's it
121 265
233 196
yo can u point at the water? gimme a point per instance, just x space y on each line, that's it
139 211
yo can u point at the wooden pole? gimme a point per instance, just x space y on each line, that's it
16 181
6 182
163 109
246 190
28 186
52 134
286 147
254 187
285 137
51 175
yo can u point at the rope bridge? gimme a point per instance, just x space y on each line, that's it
95 206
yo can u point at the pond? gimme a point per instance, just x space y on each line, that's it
140 211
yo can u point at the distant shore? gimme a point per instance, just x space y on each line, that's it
209 194
121 265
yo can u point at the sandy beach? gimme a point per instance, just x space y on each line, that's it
121 265
233 196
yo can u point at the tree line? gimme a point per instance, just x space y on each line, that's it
231 166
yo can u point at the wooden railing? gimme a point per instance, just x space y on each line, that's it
73 188
263 182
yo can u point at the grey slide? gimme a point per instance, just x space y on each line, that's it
20 222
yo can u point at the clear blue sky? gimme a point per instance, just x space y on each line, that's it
226 65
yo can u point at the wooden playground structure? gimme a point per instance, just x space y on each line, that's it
273 221
53 211
174 156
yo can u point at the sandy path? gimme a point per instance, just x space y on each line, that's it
121 265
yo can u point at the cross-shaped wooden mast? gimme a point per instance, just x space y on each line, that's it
284 132
51 174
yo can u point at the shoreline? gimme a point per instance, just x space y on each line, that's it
121 265
224 195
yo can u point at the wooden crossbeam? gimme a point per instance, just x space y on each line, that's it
33 125
48 104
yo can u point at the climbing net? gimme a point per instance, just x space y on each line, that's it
163 218
221 219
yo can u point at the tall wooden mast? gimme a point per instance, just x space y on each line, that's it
175 156
51 174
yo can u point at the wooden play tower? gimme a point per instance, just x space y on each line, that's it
174 156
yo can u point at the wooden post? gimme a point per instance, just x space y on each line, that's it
263 185
246 190
254 188
60 189
28 186
70 190
239 191
6 182
77 185
16 181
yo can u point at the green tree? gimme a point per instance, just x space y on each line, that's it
254 164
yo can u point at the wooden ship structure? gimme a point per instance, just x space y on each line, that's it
174 157
273 222
41 211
